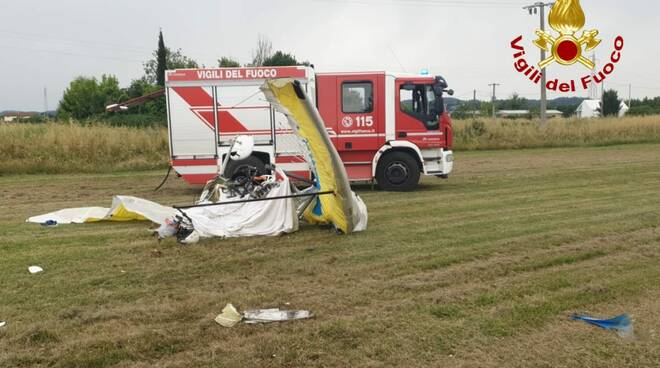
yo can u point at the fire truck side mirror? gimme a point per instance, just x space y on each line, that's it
441 82
450 92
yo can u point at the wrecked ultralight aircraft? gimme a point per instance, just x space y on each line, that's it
252 205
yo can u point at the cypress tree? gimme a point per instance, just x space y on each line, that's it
611 104
161 58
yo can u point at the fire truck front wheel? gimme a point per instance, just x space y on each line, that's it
398 172
236 169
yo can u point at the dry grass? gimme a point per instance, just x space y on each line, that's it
481 270
69 148
488 134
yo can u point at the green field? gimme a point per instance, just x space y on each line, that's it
481 270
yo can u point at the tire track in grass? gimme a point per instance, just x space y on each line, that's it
526 225
479 272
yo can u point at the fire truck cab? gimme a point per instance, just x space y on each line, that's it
387 127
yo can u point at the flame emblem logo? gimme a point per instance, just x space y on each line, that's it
567 18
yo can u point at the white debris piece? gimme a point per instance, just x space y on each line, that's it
274 315
35 269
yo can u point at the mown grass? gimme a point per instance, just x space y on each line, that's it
480 270
97 148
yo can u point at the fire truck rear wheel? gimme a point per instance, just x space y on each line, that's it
236 169
397 172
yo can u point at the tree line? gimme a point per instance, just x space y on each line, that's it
610 106
86 97
646 106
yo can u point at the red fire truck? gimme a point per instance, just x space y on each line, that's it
386 126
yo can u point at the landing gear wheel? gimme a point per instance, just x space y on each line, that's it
237 169
397 172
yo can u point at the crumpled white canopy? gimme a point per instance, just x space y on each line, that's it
268 218
124 208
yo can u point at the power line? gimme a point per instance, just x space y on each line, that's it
462 94
635 85
41 37
59 52
397 58
132 49
439 3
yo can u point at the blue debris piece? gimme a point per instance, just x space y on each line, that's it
620 324
49 223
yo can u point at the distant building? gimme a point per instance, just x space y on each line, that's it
512 114
14 116
591 109
554 113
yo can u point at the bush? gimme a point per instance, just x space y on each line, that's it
131 120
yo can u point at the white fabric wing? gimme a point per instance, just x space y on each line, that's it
72 215
121 206
270 218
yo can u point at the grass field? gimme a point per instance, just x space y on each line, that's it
58 148
481 270
491 134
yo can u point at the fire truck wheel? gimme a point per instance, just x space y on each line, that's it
236 169
398 172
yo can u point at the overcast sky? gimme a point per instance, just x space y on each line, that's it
47 43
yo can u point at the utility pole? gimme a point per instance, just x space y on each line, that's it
593 88
539 7
494 85
602 99
474 104
630 95
45 100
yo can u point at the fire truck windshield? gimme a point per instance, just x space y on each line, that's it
421 102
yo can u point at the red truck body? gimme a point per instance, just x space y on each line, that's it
386 127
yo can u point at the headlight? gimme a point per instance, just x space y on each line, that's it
449 158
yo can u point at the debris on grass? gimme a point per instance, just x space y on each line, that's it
229 316
621 324
35 269
274 315
3 324
49 223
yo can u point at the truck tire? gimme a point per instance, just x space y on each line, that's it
235 169
397 172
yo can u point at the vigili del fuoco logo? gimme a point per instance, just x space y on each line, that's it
566 48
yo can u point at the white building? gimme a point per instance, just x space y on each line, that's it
590 109
15 116
526 113
513 113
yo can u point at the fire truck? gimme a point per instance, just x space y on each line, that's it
387 127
